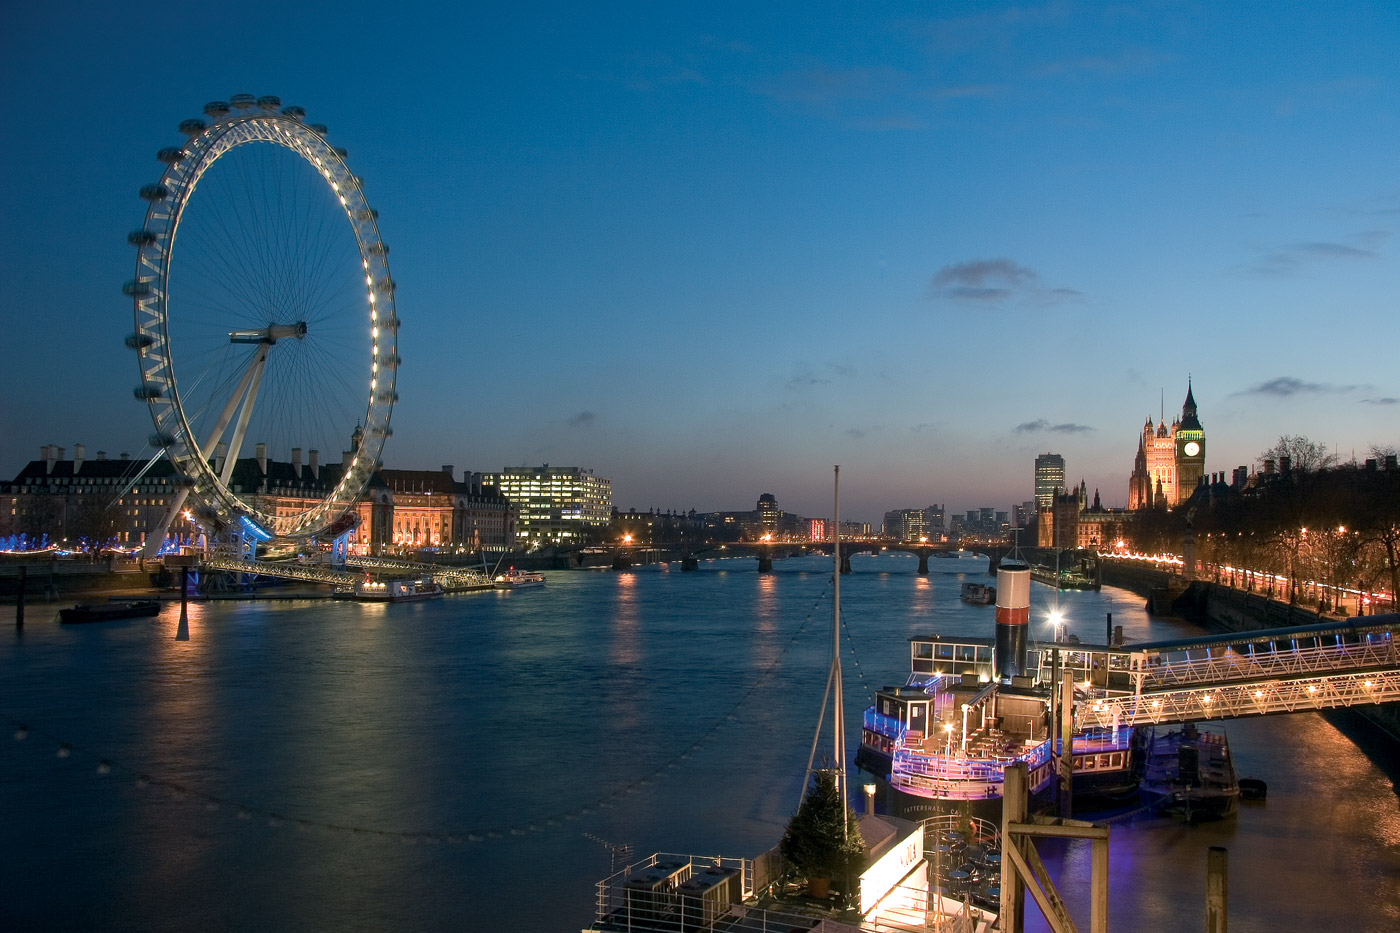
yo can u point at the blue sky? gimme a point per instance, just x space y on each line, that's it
711 251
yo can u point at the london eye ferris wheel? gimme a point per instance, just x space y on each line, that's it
264 316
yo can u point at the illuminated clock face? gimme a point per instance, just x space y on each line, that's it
1192 448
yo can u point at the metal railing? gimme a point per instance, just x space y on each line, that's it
1235 665
1249 698
307 573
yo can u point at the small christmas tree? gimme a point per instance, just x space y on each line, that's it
822 840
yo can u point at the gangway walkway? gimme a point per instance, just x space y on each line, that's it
1288 670
451 579
285 570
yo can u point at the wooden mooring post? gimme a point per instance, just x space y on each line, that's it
1217 889
19 596
1023 872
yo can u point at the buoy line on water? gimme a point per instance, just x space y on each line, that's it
106 767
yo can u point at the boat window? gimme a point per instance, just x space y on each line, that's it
943 652
965 652
923 649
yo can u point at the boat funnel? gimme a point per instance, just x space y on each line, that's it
1013 618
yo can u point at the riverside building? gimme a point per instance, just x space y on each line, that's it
554 505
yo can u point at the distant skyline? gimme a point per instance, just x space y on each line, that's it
709 252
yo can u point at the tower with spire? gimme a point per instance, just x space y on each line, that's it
1170 459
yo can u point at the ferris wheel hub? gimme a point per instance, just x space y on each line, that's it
270 334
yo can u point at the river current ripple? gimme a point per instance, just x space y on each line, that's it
452 765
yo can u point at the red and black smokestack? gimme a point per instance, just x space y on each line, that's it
1013 618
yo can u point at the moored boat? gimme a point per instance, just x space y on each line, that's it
106 612
514 579
971 707
397 591
1190 771
979 594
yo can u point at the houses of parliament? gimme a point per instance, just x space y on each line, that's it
1170 460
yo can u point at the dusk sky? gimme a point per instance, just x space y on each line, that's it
710 252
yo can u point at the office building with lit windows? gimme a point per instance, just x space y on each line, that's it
1049 479
554 505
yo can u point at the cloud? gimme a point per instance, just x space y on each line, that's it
806 377
1289 386
1129 61
1381 401
822 85
1291 258
1041 425
995 281
923 426
583 419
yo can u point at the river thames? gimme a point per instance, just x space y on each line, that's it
461 764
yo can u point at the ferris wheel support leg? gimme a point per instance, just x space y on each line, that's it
255 370
340 549
155 538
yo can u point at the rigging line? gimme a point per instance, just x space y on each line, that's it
851 643
277 818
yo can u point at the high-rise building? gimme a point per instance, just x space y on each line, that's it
1049 476
1170 461
557 505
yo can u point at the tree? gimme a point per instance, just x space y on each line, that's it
823 840
1303 455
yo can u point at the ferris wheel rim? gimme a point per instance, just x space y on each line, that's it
207 143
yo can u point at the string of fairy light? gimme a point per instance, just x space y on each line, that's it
107 768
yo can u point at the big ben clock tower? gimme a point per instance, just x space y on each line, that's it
1190 449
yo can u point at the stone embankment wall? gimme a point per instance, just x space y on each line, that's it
57 580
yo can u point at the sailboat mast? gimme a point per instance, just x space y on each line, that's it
839 722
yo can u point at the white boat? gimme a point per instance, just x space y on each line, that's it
514 579
397 591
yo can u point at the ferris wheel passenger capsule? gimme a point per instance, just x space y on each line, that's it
193 126
137 289
319 129
216 109
139 341
242 101
146 393
269 102
294 112
170 155
141 238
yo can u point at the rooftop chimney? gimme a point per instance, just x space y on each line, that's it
79 453
1390 463
47 454
1285 464
345 457
447 468
315 464
260 451
1268 466
101 456
296 462
125 455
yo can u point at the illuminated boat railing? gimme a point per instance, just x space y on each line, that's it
956 778
888 726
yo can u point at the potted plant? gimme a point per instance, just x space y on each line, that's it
822 840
